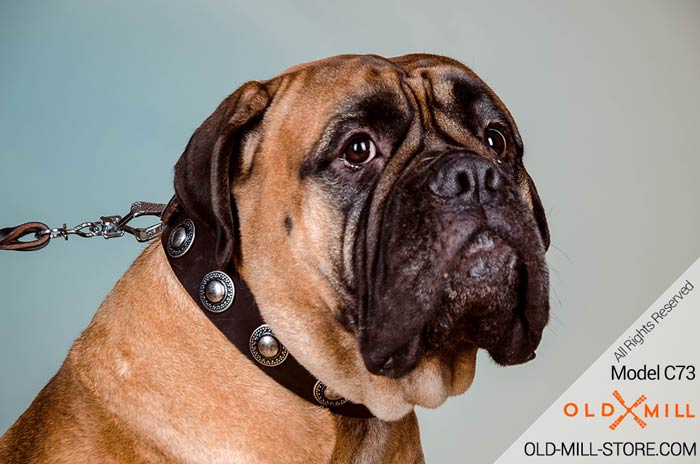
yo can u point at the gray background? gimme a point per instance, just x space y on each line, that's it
97 101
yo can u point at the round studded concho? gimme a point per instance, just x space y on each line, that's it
324 396
216 292
265 347
181 238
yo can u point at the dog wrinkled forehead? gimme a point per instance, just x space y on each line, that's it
320 99
314 94
365 66
336 80
448 96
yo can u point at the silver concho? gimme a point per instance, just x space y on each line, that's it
325 396
216 292
180 239
265 347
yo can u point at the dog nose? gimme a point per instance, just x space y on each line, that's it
466 177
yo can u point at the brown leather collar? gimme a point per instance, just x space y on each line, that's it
232 309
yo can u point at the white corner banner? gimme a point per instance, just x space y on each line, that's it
638 402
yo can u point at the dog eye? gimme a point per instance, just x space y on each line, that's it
359 151
496 141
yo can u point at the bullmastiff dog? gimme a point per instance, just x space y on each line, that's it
379 211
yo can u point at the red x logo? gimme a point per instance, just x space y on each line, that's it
628 410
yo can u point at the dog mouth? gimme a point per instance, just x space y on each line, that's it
482 297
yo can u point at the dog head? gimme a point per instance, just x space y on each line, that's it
381 214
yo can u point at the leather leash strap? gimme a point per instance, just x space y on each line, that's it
11 237
242 318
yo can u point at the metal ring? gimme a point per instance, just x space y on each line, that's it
186 226
229 292
320 396
259 333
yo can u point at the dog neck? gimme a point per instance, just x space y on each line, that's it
219 291
158 367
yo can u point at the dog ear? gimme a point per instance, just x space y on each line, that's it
538 211
204 172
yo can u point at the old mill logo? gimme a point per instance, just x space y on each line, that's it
640 410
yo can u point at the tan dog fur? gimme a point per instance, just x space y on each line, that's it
152 380
134 389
